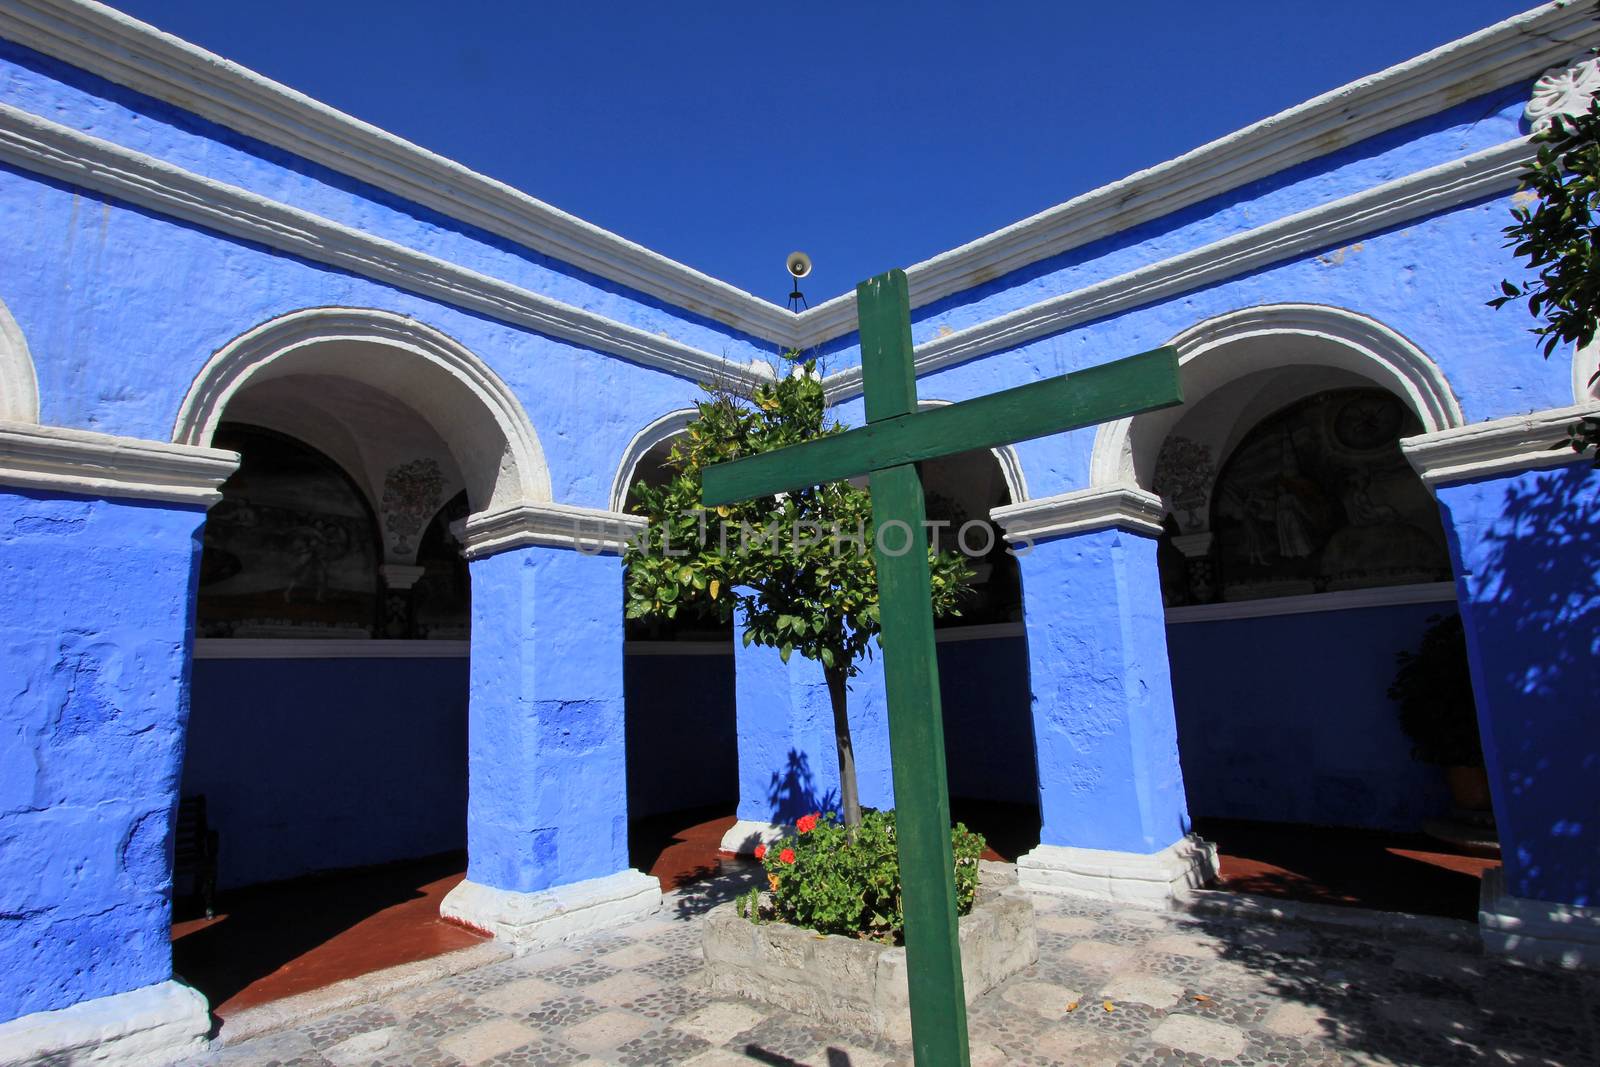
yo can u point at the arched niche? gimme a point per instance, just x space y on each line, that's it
1240 358
465 404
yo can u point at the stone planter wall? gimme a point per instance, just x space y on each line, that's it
860 984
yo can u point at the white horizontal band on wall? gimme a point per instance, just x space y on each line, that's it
106 42
65 460
1497 446
45 147
1312 603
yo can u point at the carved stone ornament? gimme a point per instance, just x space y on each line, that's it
1563 91
411 494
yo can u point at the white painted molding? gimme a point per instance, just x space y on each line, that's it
19 387
1348 218
509 463
1365 346
1124 507
532 921
326 648
667 426
152 1026
1498 446
104 41
64 460
1313 603
1507 52
1536 931
80 159
1586 373
951 635
1563 90
588 530
1155 880
1005 455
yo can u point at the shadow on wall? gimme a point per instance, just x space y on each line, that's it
793 791
1530 554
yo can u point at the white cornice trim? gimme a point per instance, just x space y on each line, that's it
588 530
60 152
1342 600
1499 446
1510 51
1123 507
326 648
108 43
103 41
1483 174
63 460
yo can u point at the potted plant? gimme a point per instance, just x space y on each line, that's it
1433 689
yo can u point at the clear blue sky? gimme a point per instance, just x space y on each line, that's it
872 135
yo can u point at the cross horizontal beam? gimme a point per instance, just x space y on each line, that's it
1097 394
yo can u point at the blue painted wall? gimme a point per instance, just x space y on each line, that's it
320 763
1526 550
1287 719
547 789
94 618
988 719
1102 715
682 741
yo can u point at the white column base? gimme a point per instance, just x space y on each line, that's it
1153 880
531 921
158 1024
743 836
1536 931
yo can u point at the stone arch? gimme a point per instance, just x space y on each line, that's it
663 429
19 387
467 404
1228 347
1005 455
1585 365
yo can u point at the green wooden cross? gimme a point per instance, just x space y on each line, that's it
887 449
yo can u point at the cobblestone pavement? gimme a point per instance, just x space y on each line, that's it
1113 986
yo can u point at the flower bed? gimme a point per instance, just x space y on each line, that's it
820 941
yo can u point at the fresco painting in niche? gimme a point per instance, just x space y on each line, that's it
441 603
292 548
1318 498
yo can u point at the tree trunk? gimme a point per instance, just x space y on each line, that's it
849 795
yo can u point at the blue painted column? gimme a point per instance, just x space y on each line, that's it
1526 549
1102 693
96 614
547 782
788 762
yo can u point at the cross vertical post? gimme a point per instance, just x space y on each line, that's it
911 678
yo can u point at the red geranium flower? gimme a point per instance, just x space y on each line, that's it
761 851
807 823
787 855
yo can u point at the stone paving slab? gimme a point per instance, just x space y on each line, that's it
1113 987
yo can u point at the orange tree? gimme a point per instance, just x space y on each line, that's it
798 566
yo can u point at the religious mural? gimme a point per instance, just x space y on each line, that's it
441 601
1316 498
292 548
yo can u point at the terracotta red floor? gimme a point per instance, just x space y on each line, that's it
1355 868
274 941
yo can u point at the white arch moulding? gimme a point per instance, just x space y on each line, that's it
1359 344
19 386
468 405
665 428
1005 455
